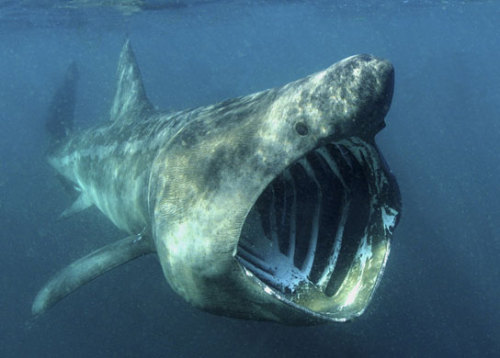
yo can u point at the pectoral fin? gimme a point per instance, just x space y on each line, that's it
88 268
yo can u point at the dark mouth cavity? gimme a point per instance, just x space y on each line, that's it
307 225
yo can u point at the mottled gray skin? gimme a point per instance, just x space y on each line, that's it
187 180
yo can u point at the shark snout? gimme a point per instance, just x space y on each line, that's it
376 87
349 98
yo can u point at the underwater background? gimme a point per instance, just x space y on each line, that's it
440 293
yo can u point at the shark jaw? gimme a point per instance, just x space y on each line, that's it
318 236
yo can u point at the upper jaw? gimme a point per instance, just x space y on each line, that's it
348 99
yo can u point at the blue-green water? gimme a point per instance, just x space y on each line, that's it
439 295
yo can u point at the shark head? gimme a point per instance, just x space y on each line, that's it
278 205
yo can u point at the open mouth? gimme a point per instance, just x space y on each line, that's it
320 230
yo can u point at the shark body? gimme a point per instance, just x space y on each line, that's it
273 206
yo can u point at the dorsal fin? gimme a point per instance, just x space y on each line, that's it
130 100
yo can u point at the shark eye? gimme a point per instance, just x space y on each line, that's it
301 128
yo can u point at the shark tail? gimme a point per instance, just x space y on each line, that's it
59 122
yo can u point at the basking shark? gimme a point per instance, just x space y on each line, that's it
273 206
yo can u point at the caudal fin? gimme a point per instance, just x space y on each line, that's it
59 122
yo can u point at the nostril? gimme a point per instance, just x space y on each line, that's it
301 128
